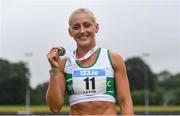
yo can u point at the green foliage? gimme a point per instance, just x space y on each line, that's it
176 101
38 94
171 83
66 100
13 81
163 75
137 72
138 97
155 97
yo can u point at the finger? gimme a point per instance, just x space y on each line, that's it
53 60
54 48
52 55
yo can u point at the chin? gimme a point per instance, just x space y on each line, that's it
84 44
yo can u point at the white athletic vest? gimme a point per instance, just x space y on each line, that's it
92 83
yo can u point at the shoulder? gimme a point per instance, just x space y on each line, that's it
117 60
115 56
112 54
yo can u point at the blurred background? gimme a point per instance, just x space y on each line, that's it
144 32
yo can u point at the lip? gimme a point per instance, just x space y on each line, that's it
83 37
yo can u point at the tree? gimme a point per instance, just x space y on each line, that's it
13 81
137 70
38 94
171 82
163 75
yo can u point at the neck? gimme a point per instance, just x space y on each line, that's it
81 51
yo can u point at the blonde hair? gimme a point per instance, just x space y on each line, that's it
82 10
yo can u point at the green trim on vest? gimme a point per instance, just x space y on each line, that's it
92 64
110 86
65 62
69 83
110 60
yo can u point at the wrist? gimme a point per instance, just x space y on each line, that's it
54 72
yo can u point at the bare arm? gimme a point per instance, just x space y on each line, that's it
122 85
56 88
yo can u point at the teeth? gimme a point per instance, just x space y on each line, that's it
83 37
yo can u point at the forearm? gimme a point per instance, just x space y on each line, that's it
54 95
126 107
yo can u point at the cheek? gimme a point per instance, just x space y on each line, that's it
73 33
92 30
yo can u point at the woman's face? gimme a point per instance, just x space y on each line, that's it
83 28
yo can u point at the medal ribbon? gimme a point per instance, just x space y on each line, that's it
87 55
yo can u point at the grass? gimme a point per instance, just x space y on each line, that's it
158 108
45 108
38 108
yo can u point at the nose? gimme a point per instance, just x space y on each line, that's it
82 30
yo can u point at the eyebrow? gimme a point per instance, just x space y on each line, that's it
85 22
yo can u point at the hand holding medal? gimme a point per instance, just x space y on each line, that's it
54 56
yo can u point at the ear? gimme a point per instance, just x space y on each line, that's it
70 33
97 27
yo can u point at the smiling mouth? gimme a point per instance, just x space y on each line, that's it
83 37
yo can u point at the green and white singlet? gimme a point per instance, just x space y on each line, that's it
92 83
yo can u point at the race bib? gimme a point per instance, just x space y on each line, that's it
89 81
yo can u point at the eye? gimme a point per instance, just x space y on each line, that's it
87 25
75 27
